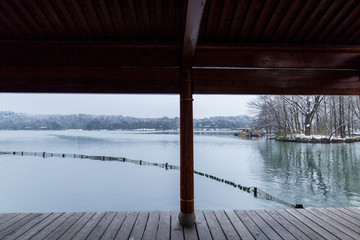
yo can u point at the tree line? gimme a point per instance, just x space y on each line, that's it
307 114
20 121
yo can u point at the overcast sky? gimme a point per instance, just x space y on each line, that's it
127 105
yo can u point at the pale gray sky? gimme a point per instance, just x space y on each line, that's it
124 104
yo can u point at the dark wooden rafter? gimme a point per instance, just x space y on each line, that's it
289 17
104 17
299 20
222 26
345 25
37 12
266 13
212 22
238 19
336 20
17 20
93 20
313 20
250 20
133 22
66 17
159 19
145 19
28 17
9 24
54 19
79 19
117 19
324 19
171 19
275 20
351 33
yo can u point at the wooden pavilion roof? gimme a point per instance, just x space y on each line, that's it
139 46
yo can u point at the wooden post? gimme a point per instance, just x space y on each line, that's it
186 215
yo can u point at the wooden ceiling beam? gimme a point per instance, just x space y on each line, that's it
23 53
276 81
88 79
91 67
92 79
247 56
88 54
192 26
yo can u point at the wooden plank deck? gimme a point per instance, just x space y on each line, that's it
324 223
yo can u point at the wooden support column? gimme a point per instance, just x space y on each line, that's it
192 25
186 215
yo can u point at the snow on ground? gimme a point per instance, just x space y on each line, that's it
315 137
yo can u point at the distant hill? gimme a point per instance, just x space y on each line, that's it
21 121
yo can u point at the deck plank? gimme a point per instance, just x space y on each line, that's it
226 225
164 226
201 226
214 226
18 224
349 213
4 216
325 225
86 230
152 226
238 225
76 227
297 233
250 225
264 226
101 226
342 228
40 226
176 230
279 229
52 226
330 223
349 222
18 232
355 209
344 216
315 224
12 221
114 226
64 226
312 234
8 217
190 233
139 227
127 226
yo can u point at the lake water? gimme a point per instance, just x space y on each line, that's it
316 175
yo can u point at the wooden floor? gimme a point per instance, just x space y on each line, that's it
328 223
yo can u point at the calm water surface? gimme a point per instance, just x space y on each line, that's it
316 175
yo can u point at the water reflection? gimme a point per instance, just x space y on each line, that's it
317 174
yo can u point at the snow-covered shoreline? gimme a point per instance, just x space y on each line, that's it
316 139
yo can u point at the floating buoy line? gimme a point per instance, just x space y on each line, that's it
254 190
